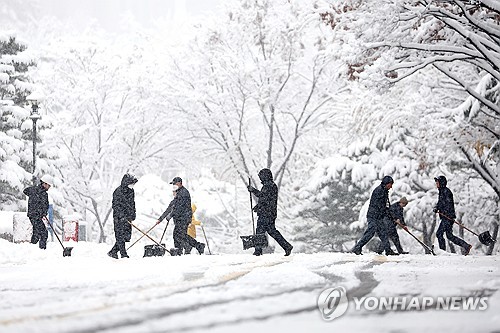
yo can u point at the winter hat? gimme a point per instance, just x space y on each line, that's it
387 180
47 179
403 200
176 180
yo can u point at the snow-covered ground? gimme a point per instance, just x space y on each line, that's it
42 291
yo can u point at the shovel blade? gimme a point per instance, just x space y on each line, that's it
258 240
486 238
154 250
67 251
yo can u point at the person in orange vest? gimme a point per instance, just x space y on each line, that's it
192 229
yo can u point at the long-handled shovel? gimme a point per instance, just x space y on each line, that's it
405 228
66 250
254 240
206 240
484 237
147 232
142 232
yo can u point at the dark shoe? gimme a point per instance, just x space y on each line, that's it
391 253
404 252
288 251
356 251
125 256
200 247
257 253
113 255
467 249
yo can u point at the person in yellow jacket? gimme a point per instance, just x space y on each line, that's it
192 228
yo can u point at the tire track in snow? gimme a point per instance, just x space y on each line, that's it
247 268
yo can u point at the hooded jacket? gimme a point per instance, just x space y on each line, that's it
445 204
267 205
378 209
38 201
124 199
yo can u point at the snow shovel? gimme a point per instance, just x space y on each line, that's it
66 250
156 250
484 237
426 247
255 240
142 232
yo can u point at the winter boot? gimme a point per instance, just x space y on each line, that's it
113 255
467 249
200 247
288 250
356 251
390 252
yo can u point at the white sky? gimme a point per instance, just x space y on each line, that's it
108 12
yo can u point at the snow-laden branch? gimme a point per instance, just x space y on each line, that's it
495 108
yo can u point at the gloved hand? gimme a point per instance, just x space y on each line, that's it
435 210
251 188
255 208
168 217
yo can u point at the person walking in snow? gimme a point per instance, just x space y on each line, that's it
38 207
182 214
391 224
123 212
267 211
446 209
378 210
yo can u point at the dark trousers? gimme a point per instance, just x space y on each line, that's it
374 227
123 233
267 224
392 235
181 239
446 227
40 233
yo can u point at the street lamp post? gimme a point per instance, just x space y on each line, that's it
34 116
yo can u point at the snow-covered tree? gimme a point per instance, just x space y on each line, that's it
254 83
439 130
16 135
110 120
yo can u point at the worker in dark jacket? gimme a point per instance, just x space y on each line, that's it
267 211
446 209
180 210
123 212
378 210
391 224
38 206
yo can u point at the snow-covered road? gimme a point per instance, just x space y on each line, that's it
40 291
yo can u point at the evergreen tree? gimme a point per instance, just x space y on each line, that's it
15 157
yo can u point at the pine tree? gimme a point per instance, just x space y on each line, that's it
14 134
